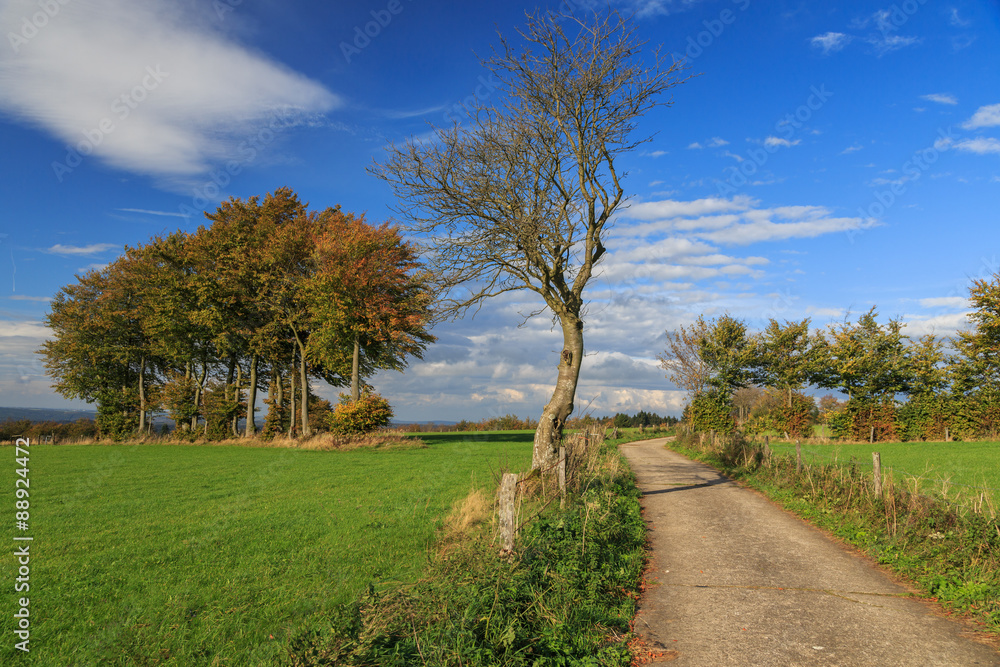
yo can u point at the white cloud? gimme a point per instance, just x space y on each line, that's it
778 141
945 302
695 145
36 330
72 250
940 98
716 142
887 43
91 267
987 116
939 325
831 41
669 208
23 297
851 149
980 145
173 214
155 87
657 153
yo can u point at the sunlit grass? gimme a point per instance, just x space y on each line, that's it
219 555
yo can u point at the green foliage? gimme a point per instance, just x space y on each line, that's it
796 419
711 410
368 413
117 414
729 353
221 408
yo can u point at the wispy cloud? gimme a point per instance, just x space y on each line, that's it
716 142
207 94
73 250
980 145
888 43
945 302
91 267
669 208
172 214
23 297
940 98
778 141
987 116
851 149
830 42
695 145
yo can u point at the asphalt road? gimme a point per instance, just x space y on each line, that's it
735 580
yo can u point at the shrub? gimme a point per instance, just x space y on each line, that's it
366 414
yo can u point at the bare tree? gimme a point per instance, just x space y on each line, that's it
682 359
522 199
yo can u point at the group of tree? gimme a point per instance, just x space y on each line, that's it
267 297
896 388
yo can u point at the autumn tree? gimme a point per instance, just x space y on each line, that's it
521 197
368 298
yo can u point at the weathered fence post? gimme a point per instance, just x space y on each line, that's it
798 456
508 522
947 436
871 435
562 476
877 472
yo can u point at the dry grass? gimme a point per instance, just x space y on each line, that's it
386 439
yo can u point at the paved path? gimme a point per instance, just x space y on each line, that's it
734 580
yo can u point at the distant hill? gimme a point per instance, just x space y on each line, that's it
46 414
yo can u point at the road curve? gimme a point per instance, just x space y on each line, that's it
734 580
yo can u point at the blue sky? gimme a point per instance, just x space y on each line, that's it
828 157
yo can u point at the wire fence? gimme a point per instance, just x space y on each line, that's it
940 482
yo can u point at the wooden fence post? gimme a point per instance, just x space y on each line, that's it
508 521
877 472
798 456
562 476
871 435
947 436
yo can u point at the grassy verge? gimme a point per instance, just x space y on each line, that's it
181 555
566 596
949 552
955 470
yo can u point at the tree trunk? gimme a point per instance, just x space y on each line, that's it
355 380
291 394
280 397
251 428
238 393
560 406
304 385
142 394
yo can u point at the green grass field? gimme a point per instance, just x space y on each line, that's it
189 555
964 465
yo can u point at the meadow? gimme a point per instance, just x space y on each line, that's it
177 555
954 469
